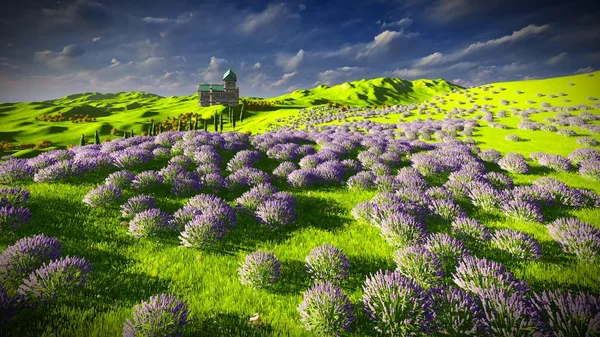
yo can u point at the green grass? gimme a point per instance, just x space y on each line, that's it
127 271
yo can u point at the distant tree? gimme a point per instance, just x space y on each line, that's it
82 140
131 132
221 123
215 121
97 138
179 125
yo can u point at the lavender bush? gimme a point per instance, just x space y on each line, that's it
401 229
446 248
13 217
327 263
121 179
149 222
13 196
203 231
326 310
568 314
476 275
514 163
457 313
576 237
162 315
522 210
418 264
137 204
259 270
147 181
517 244
103 195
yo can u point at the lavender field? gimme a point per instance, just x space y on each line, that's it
411 220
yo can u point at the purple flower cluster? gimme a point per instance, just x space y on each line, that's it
583 154
419 264
210 204
103 195
248 176
149 222
402 229
517 244
303 177
330 171
361 180
203 231
483 195
249 201
13 196
555 162
397 305
284 152
498 180
569 314
276 211
327 263
131 158
56 278
245 158
147 181
326 310
576 237
259 270
137 204
446 248
514 163
446 209
457 313
284 169
477 275
12 217
121 179
590 169
15 171
490 155
162 315
25 256
522 210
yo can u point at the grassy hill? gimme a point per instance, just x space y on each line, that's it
127 111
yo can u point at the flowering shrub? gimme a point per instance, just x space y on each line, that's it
203 231
446 248
514 162
13 196
137 204
522 210
327 263
162 315
576 237
397 305
456 312
326 310
147 181
25 256
418 264
121 179
401 229
54 279
569 314
513 138
330 171
476 275
490 155
517 244
567 132
15 171
149 222
274 213
446 209
584 154
248 176
207 203
249 201
498 180
303 177
284 169
260 269
590 169
484 195
555 162
361 180
12 217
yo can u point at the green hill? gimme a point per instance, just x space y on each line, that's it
125 111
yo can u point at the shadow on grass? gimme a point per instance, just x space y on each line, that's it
363 266
294 279
225 325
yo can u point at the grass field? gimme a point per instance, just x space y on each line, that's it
128 271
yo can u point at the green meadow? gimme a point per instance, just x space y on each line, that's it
128 271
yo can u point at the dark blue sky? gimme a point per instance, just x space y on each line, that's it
49 49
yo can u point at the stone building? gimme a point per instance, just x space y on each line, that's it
226 93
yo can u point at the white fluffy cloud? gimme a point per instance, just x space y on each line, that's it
403 23
59 60
334 76
584 70
290 62
284 79
557 59
270 15
384 42
215 70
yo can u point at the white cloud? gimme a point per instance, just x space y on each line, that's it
585 70
114 63
60 59
4 64
430 60
181 19
382 43
289 62
557 59
284 79
256 65
331 76
301 7
96 39
409 73
404 23
255 21
143 49
215 70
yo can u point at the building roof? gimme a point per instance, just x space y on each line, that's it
215 87
229 74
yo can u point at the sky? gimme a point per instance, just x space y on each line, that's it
50 49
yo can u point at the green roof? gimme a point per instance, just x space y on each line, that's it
229 74
215 87
218 87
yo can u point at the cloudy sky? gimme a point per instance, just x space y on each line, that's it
50 49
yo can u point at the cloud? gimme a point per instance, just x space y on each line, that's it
331 77
142 49
557 59
215 70
181 19
409 73
96 39
284 79
270 15
60 59
585 70
82 12
462 82
4 64
301 7
383 42
289 62
403 23
256 65
445 11
438 58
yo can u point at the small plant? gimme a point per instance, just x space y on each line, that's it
326 310
397 305
275 212
149 222
576 237
203 231
457 313
147 181
259 270
121 179
103 195
477 275
418 264
446 248
162 315
513 138
518 245
13 217
137 204
402 229
514 162
568 314
327 263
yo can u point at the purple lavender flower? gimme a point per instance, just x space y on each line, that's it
397 305
438 193
330 171
326 310
391 158
56 172
385 183
490 155
470 229
284 169
514 163
456 188
534 194
13 196
54 279
327 263
303 177
361 180
207 203
568 314
456 312
248 176
162 315
498 180
213 182
161 153
245 158
12 217
522 210
182 216
182 161
149 222
203 231
576 237
171 172
137 204
447 249
185 187
259 270
274 213
147 181
402 229
368 159
206 155
590 169
121 179
427 165
310 161
15 171
352 166
555 162
381 169
584 154
131 158
249 201
508 313
484 195
25 256
418 264
103 195
516 244
208 169
446 209
464 176
410 177
476 275
288 151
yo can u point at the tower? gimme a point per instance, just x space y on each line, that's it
229 79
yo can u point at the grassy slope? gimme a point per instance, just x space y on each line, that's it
128 271
131 110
